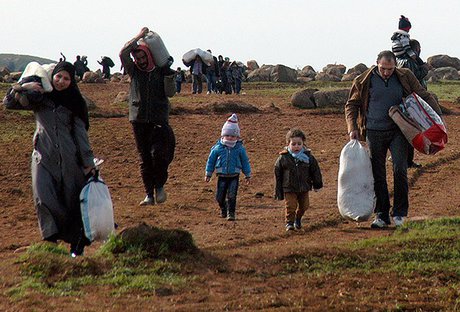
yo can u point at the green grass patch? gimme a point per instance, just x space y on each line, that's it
124 263
446 90
429 247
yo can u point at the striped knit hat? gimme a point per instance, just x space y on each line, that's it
231 126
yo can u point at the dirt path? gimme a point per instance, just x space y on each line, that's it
251 250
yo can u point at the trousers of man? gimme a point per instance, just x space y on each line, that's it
296 205
379 143
155 144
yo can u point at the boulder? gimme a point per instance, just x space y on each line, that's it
326 77
252 65
307 71
447 73
359 69
261 74
303 98
335 70
335 98
350 76
305 79
283 73
438 61
90 77
4 71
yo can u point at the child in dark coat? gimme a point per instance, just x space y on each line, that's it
296 173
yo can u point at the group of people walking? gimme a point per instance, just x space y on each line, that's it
222 76
62 159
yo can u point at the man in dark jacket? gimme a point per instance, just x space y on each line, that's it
149 115
366 111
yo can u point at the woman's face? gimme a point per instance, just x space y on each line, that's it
61 80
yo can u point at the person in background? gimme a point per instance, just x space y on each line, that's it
228 158
180 78
366 112
401 41
149 109
106 62
211 75
62 158
237 77
296 173
197 67
80 66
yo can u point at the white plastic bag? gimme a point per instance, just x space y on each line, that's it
355 195
205 56
96 209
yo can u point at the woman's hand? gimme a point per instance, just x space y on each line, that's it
33 86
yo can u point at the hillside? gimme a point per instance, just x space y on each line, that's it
17 62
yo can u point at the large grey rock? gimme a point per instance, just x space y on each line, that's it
326 77
438 61
261 74
447 73
349 77
4 71
89 103
252 65
122 96
335 70
303 98
90 77
359 69
336 98
283 73
307 71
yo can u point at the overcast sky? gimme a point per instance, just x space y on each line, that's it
290 32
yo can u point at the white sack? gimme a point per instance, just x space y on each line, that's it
96 209
355 195
205 56
35 69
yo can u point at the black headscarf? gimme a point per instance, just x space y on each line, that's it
71 97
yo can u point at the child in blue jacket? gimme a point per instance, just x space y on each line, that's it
228 158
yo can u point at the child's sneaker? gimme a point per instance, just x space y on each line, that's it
399 221
148 201
160 195
298 224
289 226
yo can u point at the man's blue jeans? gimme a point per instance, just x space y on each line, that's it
379 143
227 189
211 82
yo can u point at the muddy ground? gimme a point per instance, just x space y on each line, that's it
253 247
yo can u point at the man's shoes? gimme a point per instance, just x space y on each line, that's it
298 224
289 227
148 201
231 216
160 195
398 220
223 213
379 224
414 165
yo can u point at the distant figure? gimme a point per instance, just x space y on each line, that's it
80 66
296 173
180 78
196 68
62 59
106 63
237 77
219 84
401 41
228 158
211 75
226 76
